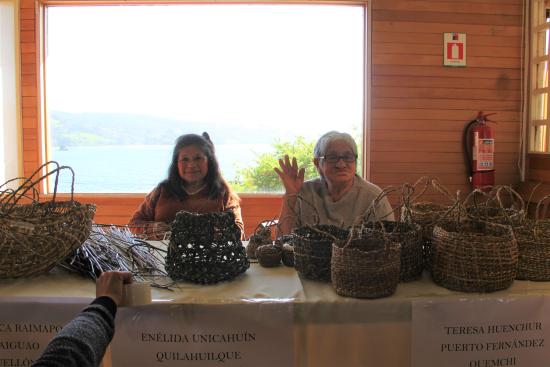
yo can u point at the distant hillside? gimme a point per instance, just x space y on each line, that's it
81 129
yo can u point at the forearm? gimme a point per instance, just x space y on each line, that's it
83 341
287 216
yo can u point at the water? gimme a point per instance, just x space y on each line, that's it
138 168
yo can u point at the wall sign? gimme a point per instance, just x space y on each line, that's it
454 49
481 332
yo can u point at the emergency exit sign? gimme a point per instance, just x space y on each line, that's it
454 49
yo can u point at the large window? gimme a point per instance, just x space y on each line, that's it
539 133
9 163
123 82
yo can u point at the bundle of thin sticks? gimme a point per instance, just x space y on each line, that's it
112 247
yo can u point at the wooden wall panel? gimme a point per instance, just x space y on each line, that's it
539 168
420 107
117 209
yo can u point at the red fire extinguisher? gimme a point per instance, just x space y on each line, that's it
479 148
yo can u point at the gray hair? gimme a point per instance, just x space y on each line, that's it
324 141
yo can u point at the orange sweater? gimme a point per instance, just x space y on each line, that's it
160 207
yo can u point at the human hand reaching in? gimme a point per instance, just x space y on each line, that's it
111 284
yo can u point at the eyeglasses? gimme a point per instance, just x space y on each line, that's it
196 159
334 158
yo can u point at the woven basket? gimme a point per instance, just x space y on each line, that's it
474 256
35 237
205 248
260 237
534 255
534 247
410 236
366 267
313 250
427 214
492 208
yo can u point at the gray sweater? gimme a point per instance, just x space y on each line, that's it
343 212
83 341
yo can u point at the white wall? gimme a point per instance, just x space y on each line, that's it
9 96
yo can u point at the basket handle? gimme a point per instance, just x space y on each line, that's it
30 184
7 194
472 197
536 229
334 238
426 181
371 209
539 205
407 198
17 194
369 215
264 224
298 213
513 194
442 190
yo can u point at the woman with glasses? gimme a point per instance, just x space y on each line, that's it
337 197
194 184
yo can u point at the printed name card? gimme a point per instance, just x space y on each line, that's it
27 325
481 332
255 334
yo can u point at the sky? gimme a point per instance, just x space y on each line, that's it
293 66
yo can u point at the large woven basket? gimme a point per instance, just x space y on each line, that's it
534 247
313 250
534 255
474 256
36 236
410 236
366 267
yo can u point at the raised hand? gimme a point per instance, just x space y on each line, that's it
291 177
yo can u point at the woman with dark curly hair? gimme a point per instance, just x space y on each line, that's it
194 184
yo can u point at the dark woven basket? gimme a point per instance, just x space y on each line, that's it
35 237
410 237
474 256
269 256
205 248
366 267
260 237
313 250
426 215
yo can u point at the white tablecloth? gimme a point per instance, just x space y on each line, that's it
329 330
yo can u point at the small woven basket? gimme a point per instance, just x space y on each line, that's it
269 256
36 236
260 237
313 250
366 267
205 248
474 256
